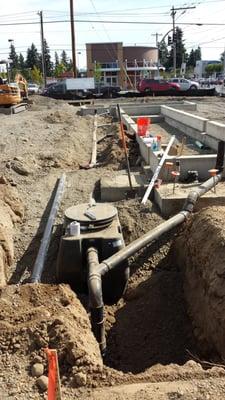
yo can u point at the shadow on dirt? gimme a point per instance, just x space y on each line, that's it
152 327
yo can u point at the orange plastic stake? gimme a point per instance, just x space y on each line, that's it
54 387
213 173
175 175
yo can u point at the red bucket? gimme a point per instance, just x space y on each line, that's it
143 124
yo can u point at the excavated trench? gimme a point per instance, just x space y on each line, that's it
175 291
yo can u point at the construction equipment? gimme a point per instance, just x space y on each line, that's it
13 94
99 229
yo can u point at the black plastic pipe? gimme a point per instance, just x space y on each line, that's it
96 298
40 260
96 270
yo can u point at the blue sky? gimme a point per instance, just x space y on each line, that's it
210 38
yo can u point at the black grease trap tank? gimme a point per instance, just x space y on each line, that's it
85 226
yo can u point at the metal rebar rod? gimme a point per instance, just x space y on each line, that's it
40 260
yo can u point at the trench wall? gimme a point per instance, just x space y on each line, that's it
200 253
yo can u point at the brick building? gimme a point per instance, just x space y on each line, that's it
121 65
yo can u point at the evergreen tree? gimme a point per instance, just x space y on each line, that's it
14 57
180 48
33 58
64 59
56 59
193 57
181 54
22 64
47 56
163 53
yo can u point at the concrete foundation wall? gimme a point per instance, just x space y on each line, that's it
195 134
188 119
200 163
215 129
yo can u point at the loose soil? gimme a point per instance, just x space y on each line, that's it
149 333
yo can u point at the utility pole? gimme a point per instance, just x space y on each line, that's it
173 13
73 39
157 45
40 13
224 63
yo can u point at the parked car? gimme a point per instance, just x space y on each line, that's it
33 88
157 85
185 84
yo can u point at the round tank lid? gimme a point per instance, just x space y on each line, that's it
100 213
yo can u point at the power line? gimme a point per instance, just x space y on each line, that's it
115 22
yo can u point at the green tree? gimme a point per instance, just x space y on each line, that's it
194 56
59 69
33 58
181 54
14 57
36 75
47 57
213 68
56 59
22 64
163 53
64 59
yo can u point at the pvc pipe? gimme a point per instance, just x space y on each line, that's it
96 271
96 298
141 242
43 249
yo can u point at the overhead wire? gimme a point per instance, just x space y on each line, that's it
114 50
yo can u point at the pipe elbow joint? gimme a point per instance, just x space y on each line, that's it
191 201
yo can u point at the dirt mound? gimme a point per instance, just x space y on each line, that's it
37 316
136 219
111 152
200 252
39 103
59 117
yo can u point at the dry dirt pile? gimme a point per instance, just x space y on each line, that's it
37 316
200 252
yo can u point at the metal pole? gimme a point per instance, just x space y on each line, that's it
174 43
39 262
224 63
73 39
157 45
173 13
42 48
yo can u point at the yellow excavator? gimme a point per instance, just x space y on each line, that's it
13 94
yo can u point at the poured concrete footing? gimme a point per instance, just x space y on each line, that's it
171 203
118 188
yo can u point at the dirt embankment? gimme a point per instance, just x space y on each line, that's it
11 211
200 252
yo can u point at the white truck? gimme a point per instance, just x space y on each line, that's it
71 88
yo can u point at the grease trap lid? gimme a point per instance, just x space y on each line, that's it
95 216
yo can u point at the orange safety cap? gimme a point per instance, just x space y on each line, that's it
168 164
175 173
213 171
